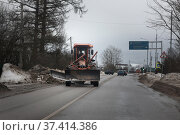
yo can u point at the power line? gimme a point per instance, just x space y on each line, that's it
88 21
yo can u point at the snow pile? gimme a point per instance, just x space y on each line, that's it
40 74
13 74
171 77
149 78
168 84
39 70
102 73
152 76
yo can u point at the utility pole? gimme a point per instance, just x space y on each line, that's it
150 62
71 42
129 66
171 32
156 50
170 50
147 59
71 49
151 59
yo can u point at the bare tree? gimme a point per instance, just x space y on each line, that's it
111 56
167 14
163 10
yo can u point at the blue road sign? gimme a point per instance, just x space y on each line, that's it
138 45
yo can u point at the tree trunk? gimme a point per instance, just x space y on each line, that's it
43 34
35 44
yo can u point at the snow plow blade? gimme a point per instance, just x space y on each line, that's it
57 74
83 75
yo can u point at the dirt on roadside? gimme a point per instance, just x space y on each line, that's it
3 88
169 84
14 89
149 79
40 74
166 88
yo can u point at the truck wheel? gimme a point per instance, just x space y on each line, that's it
92 83
68 83
96 83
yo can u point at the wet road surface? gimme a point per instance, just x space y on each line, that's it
115 99
122 98
38 104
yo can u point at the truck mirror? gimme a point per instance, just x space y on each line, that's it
71 51
92 52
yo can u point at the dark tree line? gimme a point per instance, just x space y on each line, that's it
167 14
34 33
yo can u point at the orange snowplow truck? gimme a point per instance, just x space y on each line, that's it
83 67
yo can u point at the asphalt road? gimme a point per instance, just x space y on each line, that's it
116 99
38 104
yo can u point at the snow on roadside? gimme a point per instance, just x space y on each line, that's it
13 74
171 77
149 78
152 76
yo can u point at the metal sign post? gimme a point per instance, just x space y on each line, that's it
139 45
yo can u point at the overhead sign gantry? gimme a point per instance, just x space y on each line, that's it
144 45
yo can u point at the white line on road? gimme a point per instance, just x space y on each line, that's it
74 100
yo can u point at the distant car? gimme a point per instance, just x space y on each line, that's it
125 73
109 72
122 73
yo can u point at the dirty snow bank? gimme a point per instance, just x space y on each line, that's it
39 69
13 74
171 77
168 84
149 78
41 74
38 74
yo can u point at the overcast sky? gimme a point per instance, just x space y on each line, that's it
114 22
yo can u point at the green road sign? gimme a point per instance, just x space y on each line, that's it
138 45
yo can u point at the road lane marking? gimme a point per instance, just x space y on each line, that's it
67 105
74 100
